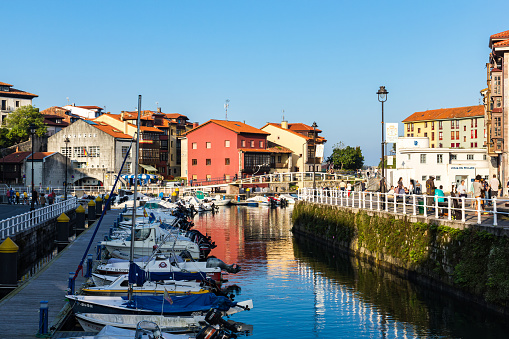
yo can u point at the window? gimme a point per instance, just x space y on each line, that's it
243 143
452 124
457 145
484 157
432 136
475 134
279 159
208 144
457 135
419 130
425 135
471 134
497 127
471 123
432 145
454 157
127 168
164 144
195 145
408 127
437 177
457 124
452 145
17 103
209 177
172 157
423 178
440 125
261 144
452 135
496 86
471 145
440 135
470 157
464 139
94 151
252 143
440 145
423 158
426 124
440 158
475 144
195 177
432 125
227 161
79 152
194 162
227 143
66 151
163 156
412 127
208 162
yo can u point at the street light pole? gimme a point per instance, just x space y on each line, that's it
32 132
382 97
314 157
66 140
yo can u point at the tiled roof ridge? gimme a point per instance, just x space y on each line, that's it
504 34
446 113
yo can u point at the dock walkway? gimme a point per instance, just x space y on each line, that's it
19 311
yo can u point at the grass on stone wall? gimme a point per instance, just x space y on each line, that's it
472 260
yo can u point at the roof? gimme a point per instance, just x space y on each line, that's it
48 120
447 113
114 132
501 43
17 91
16 157
501 35
235 126
40 155
319 139
89 107
5 84
175 116
276 149
299 126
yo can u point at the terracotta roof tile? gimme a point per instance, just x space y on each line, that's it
90 107
5 84
114 132
278 149
501 43
500 35
19 92
40 155
319 139
447 113
15 157
235 126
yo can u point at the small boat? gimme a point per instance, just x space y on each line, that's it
220 202
257 201
111 332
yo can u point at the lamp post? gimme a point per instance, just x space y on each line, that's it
382 97
32 132
314 157
66 140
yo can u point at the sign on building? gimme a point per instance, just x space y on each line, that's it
391 132
319 150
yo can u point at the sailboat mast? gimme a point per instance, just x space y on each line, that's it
135 196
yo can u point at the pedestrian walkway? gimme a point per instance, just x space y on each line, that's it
19 311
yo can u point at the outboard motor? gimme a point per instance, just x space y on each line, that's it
186 255
147 330
215 262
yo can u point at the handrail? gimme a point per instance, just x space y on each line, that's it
452 208
22 222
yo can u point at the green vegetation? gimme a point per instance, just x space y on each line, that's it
470 260
18 123
346 158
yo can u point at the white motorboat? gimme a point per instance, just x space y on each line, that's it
257 200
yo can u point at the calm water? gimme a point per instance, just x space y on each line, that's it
302 291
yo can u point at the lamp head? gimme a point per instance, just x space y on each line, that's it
314 124
32 128
382 94
66 140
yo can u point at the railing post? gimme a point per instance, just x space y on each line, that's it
463 209
404 203
378 201
425 204
414 208
370 201
386 202
395 202
449 216
436 207
341 197
495 221
479 210
363 200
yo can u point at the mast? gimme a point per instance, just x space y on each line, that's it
135 196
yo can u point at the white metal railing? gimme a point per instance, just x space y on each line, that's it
452 208
25 221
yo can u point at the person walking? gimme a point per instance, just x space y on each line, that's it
418 187
411 188
17 198
25 198
494 186
42 200
477 190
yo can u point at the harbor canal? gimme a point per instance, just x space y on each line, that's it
301 290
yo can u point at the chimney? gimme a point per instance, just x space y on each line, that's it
121 115
158 109
195 124
125 127
284 124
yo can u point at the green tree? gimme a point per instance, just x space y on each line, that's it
18 123
346 157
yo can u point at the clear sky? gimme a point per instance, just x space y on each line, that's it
318 61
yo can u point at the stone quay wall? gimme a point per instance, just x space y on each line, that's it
470 262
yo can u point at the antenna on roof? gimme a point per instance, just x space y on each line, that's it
283 115
226 105
67 100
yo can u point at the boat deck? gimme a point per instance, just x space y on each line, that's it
19 311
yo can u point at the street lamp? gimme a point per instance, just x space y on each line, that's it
382 97
314 158
67 153
32 132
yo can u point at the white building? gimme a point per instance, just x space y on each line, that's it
416 161
87 112
11 99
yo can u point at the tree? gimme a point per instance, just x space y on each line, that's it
18 123
346 157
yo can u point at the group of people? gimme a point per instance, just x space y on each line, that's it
16 198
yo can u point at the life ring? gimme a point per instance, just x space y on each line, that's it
162 264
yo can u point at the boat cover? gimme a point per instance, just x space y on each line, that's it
180 303
138 276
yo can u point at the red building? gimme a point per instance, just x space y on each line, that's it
220 149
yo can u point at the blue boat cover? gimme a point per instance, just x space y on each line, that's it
180 303
138 276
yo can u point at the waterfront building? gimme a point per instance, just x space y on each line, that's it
225 150
54 123
456 128
63 113
11 99
496 105
415 160
49 170
86 112
95 151
11 167
301 140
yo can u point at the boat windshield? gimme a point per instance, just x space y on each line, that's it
141 234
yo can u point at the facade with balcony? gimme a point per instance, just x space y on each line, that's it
459 127
301 140
11 99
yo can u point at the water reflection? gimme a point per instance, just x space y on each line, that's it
301 290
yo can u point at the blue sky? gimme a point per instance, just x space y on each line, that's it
320 61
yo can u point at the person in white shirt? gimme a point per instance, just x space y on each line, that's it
462 189
494 184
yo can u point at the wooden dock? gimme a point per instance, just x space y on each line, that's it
19 311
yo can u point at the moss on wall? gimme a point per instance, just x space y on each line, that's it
469 260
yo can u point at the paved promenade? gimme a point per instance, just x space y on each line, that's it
19 311
7 211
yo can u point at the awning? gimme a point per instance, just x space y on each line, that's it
149 168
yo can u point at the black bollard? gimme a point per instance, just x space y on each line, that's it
62 231
91 212
106 201
80 220
248 193
173 197
9 263
98 206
